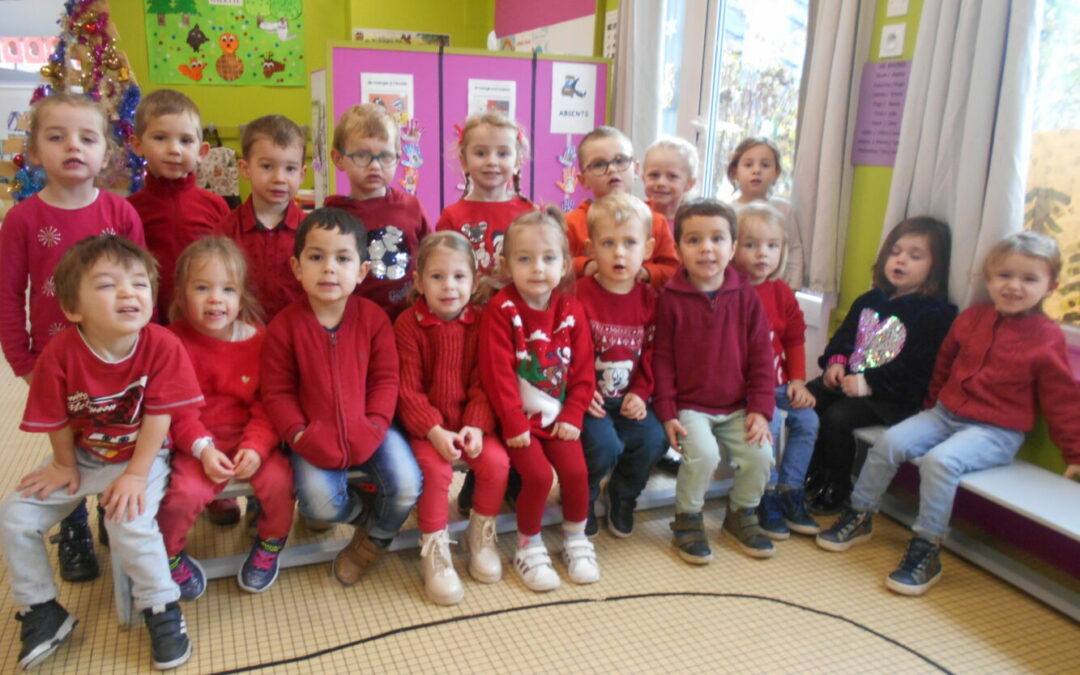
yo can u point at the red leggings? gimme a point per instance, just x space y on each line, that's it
491 467
190 490
534 463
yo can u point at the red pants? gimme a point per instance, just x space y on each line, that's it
534 463
491 467
190 490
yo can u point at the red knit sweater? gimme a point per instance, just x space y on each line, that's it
440 381
787 329
623 332
483 224
661 266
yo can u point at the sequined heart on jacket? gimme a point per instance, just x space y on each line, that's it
877 342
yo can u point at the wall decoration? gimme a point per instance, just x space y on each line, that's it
393 91
239 42
405 37
567 184
573 98
497 95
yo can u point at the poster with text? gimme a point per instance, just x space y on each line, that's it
393 91
497 95
573 98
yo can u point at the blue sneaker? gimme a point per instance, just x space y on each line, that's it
919 570
771 516
852 527
44 627
793 505
188 575
260 570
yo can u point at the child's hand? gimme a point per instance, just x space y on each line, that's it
445 443
1073 472
799 395
757 429
473 440
48 479
125 497
833 375
216 465
566 431
674 429
632 408
596 406
519 441
247 462
850 386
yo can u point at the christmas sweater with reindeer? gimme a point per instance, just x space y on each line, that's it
34 237
536 366
483 224
395 224
623 328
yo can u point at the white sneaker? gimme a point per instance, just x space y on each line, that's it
441 582
485 565
580 558
533 565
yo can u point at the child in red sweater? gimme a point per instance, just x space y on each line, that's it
537 372
216 317
367 147
447 415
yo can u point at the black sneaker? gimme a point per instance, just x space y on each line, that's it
76 551
592 527
44 627
793 505
771 516
690 539
102 533
919 570
260 570
669 463
743 524
169 643
188 575
852 527
620 517
830 499
464 498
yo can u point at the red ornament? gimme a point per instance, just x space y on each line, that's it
19 161
90 27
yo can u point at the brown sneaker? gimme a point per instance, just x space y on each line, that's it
353 561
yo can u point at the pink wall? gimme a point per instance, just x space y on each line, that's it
516 16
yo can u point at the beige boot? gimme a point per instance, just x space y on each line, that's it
485 565
441 582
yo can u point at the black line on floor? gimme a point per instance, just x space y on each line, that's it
581 601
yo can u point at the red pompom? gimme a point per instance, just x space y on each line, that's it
19 161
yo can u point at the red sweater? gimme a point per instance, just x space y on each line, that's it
175 213
33 238
1001 370
663 263
395 224
440 381
483 224
713 355
268 252
228 375
787 328
670 223
537 365
623 331
339 387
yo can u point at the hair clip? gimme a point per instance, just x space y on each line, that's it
460 133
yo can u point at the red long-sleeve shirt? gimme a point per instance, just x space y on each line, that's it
483 224
661 266
623 331
787 329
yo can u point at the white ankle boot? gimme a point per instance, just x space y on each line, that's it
485 565
441 582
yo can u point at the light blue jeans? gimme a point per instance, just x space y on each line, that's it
701 455
802 425
324 494
950 447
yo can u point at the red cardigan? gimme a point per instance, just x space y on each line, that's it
440 381
339 387
787 330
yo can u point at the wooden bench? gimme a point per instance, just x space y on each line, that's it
1042 497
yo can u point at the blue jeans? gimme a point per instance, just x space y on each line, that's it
802 426
950 447
626 448
324 494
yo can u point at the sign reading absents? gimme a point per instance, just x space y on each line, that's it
573 98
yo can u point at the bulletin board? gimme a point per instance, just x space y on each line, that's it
555 99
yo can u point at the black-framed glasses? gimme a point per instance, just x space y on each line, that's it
363 159
601 166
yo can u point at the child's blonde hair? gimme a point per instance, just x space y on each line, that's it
1031 244
744 147
680 146
619 208
761 212
446 239
367 120
37 114
165 102
225 250
496 119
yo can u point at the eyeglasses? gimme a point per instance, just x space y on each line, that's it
600 166
363 159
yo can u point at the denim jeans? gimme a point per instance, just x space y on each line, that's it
626 448
802 426
950 447
701 455
324 494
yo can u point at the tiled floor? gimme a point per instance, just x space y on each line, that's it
803 611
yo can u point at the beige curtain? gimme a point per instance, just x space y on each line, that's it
636 91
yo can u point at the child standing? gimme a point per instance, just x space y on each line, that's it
491 149
753 169
537 372
621 435
105 390
714 380
265 225
879 362
367 147
607 165
759 254
669 172
69 139
447 415
330 385
998 359
216 317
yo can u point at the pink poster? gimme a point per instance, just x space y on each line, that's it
881 110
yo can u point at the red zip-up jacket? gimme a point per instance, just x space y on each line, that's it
339 387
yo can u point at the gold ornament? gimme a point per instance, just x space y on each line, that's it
50 71
123 74
112 60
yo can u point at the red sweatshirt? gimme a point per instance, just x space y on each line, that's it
713 355
339 387
228 375
537 366
483 224
174 213
268 252
663 263
440 381
787 329
623 331
395 224
1001 370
